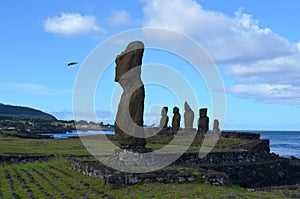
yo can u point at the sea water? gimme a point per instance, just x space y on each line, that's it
283 143
77 134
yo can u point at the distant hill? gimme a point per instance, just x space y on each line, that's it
19 112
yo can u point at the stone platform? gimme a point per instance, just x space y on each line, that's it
170 174
132 158
249 165
246 169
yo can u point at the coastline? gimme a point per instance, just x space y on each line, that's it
277 144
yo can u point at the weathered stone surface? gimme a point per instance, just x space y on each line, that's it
167 175
203 121
164 118
257 174
129 120
241 135
250 166
248 154
176 119
137 157
216 126
188 116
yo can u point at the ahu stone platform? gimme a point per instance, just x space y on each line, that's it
250 165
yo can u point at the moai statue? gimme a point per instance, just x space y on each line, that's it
176 119
216 126
164 118
129 120
188 116
203 121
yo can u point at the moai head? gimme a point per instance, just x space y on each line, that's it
216 125
164 111
203 112
175 110
126 61
187 106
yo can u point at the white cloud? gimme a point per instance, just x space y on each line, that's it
283 70
298 46
69 24
32 88
265 65
268 93
227 40
88 115
120 17
280 77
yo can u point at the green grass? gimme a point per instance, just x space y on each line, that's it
14 145
56 179
74 146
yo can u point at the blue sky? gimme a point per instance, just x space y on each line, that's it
255 45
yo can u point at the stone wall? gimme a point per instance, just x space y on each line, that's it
295 168
167 175
250 165
259 151
185 132
187 160
259 174
240 135
247 171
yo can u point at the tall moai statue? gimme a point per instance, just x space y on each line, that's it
188 116
176 119
203 121
216 126
164 118
129 120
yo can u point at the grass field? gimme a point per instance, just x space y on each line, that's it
55 178
73 146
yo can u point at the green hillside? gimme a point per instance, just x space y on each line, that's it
19 112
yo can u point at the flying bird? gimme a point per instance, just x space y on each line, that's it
72 63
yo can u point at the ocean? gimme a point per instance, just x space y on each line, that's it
283 143
76 134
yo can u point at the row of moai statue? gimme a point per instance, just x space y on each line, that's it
203 121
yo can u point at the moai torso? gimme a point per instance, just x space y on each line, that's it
216 126
176 119
188 116
203 121
129 120
164 118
